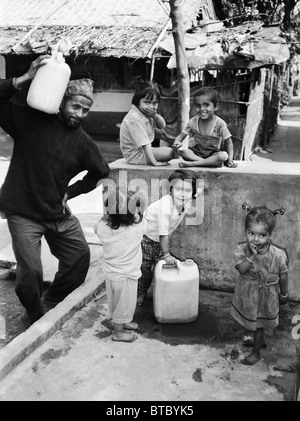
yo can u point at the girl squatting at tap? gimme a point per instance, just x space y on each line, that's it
164 216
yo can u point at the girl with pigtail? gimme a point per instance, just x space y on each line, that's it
138 127
120 232
263 278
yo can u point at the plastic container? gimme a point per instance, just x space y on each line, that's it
176 292
49 85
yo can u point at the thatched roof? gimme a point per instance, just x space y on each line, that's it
100 27
246 46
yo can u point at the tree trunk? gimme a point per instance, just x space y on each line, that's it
219 9
289 7
182 68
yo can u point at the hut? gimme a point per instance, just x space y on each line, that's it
113 42
248 65
110 42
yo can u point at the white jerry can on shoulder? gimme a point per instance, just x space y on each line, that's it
49 84
176 292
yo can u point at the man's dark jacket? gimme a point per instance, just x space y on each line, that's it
47 154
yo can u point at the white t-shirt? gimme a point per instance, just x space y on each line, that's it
122 251
163 217
136 131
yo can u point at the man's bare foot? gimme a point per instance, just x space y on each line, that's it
123 337
251 359
250 343
131 326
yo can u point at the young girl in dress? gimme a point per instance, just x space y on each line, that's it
120 231
263 278
164 216
137 130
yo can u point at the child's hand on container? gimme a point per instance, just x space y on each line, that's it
170 260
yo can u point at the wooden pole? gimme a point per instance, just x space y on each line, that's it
268 116
181 63
152 68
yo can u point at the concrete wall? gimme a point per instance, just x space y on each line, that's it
211 240
107 113
108 101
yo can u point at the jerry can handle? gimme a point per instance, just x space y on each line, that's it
166 265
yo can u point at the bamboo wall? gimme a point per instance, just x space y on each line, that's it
271 103
255 113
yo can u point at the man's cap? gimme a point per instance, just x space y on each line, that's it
83 87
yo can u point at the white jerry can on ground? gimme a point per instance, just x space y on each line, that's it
176 292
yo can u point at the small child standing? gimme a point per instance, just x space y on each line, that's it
263 278
137 130
164 216
121 231
212 139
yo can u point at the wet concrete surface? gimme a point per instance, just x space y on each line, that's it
198 361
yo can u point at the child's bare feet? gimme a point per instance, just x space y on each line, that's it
251 359
131 326
249 343
123 337
183 164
